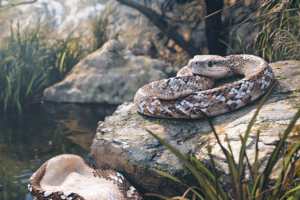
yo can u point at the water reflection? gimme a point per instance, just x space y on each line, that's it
41 132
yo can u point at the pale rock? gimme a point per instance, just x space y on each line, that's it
110 74
123 143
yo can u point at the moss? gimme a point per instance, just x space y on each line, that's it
295 103
189 136
296 91
201 142
265 124
173 122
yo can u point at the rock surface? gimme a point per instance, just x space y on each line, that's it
110 74
123 143
64 15
131 27
235 16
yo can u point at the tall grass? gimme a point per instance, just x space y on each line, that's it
99 26
258 186
279 22
33 59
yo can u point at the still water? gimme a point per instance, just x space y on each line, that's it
40 133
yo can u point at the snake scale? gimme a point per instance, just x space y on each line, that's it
69 177
190 93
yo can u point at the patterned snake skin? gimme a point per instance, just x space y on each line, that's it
117 183
188 95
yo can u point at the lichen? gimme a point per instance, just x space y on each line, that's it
173 122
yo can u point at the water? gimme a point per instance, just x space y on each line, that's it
40 133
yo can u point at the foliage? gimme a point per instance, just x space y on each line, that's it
34 58
242 48
63 57
100 27
279 22
293 178
258 187
11 190
31 61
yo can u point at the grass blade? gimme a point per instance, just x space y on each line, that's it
175 179
243 147
284 169
31 81
290 191
229 157
276 152
256 157
205 171
62 62
242 152
186 162
227 46
263 180
167 175
8 93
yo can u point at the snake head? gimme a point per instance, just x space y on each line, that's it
209 65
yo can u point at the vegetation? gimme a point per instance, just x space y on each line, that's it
32 60
258 186
99 26
279 22
27 141
29 63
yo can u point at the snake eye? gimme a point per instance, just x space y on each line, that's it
210 63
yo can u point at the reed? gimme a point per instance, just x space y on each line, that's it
255 188
33 59
279 22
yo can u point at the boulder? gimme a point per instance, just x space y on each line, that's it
130 27
123 143
235 16
63 15
110 74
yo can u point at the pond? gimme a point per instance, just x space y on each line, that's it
43 131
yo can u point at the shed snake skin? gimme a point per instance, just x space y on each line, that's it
189 94
69 177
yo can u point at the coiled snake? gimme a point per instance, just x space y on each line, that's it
188 95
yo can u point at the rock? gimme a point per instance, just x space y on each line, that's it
143 38
64 15
140 36
111 74
132 28
187 20
123 143
236 15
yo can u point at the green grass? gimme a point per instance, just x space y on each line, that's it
258 186
99 26
33 59
279 23
29 63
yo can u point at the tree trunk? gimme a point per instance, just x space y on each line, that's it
213 29
164 26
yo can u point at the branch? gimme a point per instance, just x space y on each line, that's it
15 4
223 9
164 26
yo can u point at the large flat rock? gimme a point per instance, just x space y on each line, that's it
108 75
123 143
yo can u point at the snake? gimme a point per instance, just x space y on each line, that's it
69 177
191 94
